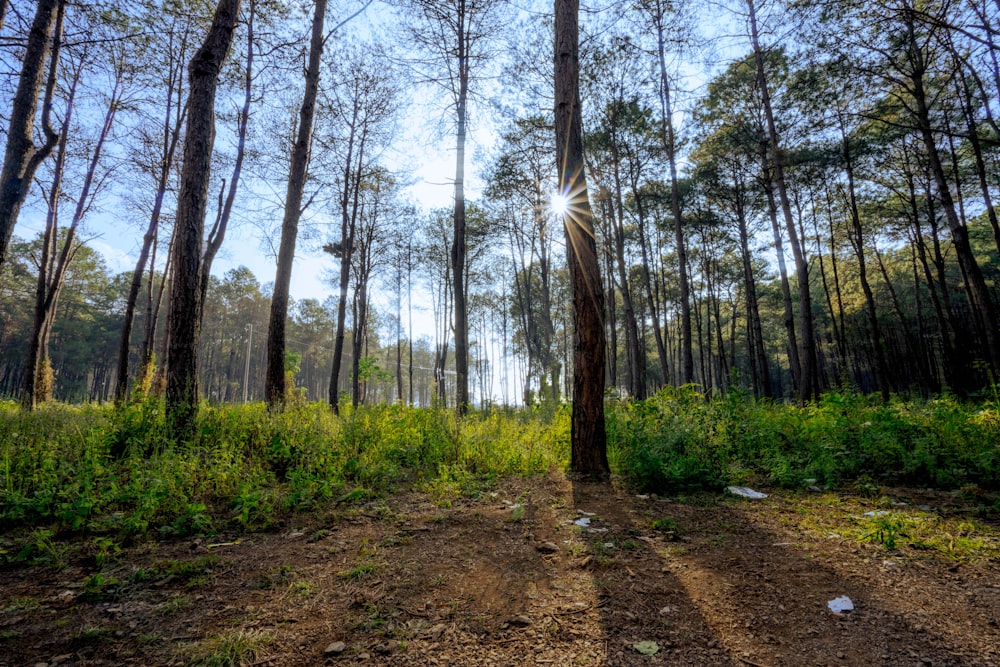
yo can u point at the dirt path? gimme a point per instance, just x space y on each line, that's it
511 579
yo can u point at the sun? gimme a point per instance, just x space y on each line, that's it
559 203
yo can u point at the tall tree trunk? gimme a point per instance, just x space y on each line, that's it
349 205
858 242
794 363
50 282
755 335
983 310
299 163
458 248
670 145
170 139
218 233
22 157
185 284
807 354
588 435
647 280
633 354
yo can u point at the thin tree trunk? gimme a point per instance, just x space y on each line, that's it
807 355
458 248
171 137
794 363
298 167
668 136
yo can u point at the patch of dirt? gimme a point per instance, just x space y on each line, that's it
511 579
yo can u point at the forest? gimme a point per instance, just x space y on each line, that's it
325 326
786 210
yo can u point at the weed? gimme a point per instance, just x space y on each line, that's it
90 634
360 571
175 604
230 650
106 551
20 604
98 587
666 524
42 549
303 588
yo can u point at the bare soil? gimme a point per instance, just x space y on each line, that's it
510 578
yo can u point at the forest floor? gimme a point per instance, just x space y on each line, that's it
510 578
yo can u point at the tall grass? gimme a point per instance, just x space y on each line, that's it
101 470
678 440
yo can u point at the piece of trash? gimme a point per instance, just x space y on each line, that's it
840 605
582 513
514 506
888 563
745 492
876 513
582 522
646 648
642 496
608 545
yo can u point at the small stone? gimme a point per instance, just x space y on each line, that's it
336 648
547 548
364 656
41 664
381 649
521 620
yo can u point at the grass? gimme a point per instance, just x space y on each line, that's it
677 442
114 475
233 649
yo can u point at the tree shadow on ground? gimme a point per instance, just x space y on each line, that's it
711 584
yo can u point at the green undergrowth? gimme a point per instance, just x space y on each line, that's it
101 470
679 441
104 472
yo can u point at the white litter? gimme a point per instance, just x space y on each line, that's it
840 605
583 522
745 492
876 513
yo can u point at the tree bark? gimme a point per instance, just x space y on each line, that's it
458 248
807 353
670 145
185 284
170 138
983 310
275 381
588 433
22 157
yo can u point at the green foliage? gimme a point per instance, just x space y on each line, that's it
113 473
678 440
